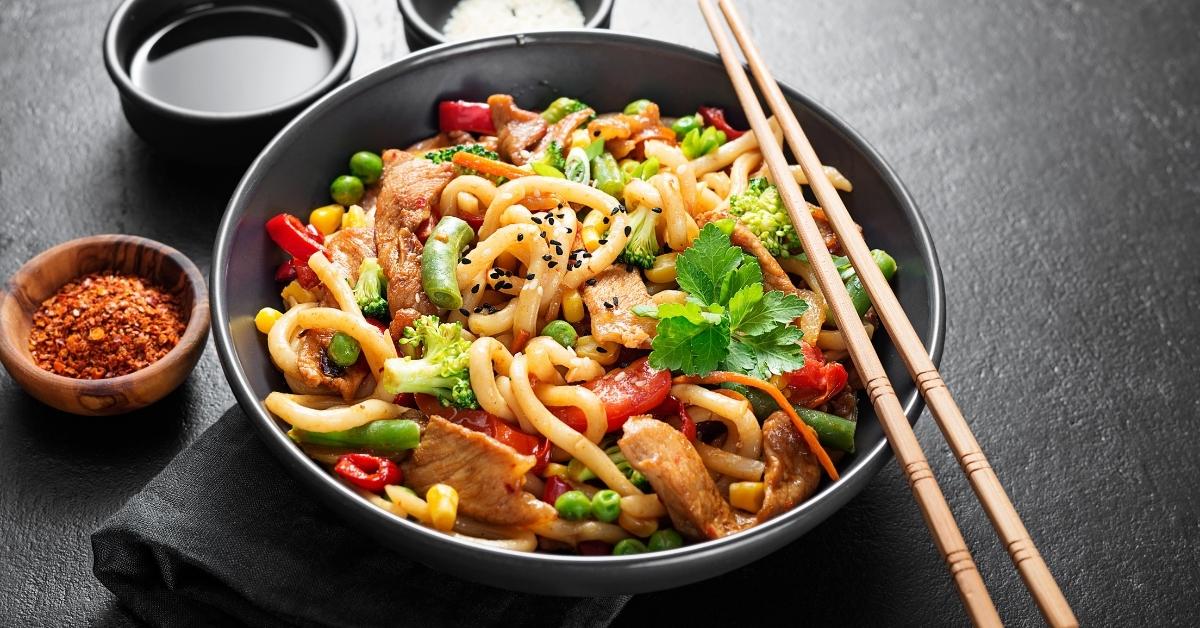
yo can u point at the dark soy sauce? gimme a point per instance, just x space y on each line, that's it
231 59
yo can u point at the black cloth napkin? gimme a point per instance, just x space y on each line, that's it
224 535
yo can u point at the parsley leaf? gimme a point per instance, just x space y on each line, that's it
705 264
688 341
751 312
776 351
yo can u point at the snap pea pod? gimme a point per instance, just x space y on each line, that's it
854 284
832 430
607 174
440 258
384 435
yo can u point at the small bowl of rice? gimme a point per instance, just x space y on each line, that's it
431 22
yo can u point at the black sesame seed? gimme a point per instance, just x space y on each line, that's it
547 257
601 350
628 230
520 236
551 264
478 309
608 306
555 243
657 210
603 241
569 230
550 219
558 250
463 311
465 260
536 220
475 289
606 220
616 301
615 211
591 282
529 277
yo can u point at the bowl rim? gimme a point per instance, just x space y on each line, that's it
194 332
413 17
125 85
831 495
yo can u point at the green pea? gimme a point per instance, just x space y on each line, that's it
606 505
366 166
573 506
665 539
343 349
625 547
637 106
561 332
346 190
685 124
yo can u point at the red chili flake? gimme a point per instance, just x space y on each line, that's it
105 325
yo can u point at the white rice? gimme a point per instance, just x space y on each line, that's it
476 18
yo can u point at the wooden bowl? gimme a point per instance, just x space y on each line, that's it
42 276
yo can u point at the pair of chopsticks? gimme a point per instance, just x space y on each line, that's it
991 494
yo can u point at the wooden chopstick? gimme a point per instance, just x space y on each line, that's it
945 410
926 491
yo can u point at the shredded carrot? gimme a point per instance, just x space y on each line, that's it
539 203
519 340
810 436
488 166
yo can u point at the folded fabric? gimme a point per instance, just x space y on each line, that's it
224 535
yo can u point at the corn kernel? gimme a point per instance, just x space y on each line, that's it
265 319
327 219
354 217
572 305
605 353
592 230
746 495
663 270
554 469
297 293
580 138
443 506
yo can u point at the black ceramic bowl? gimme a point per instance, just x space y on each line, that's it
396 105
207 137
425 19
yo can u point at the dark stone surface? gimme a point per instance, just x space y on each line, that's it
1053 148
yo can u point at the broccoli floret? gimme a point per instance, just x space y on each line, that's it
762 211
561 108
642 247
441 371
371 290
553 156
443 155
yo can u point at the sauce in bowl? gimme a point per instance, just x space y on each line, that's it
231 59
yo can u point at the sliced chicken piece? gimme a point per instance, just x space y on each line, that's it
410 188
774 277
561 131
347 249
610 300
683 484
489 476
793 472
318 371
517 130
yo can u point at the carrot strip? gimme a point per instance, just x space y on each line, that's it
810 436
488 166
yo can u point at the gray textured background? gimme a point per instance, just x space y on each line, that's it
1052 147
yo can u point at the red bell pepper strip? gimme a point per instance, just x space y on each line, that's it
555 486
672 408
315 233
715 116
286 271
460 115
817 381
292 236
298 270
368 472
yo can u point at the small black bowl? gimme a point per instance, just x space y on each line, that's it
207 137
425 19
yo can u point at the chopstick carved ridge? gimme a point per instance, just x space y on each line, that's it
974 463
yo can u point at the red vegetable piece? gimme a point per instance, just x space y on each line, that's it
368 472
460 115
402 399
292 236
594 548
817 381
672 411
635 389
555 486
715 116
286 271
315 233
490 424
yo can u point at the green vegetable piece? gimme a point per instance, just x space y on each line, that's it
625 547
636 107
442 155
832 431
371 290
384 436
343 349
561 108
346 190
594 149
442 371
642 246
546 170
761 403
573 506
664 539
607 174
561 331
854 285
439 261
578 166
578 471
606 505
649 168
684 125
762 211
366 166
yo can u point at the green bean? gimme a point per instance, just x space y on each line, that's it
854 285
761 403
606 505
440 259
664 539
636 107
578 471
384 435
560 108
561 332
607 174
625 547
573 505
832 431
685 124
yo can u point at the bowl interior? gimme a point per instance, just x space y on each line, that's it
396 106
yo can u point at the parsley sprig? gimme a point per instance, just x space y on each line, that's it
728 322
